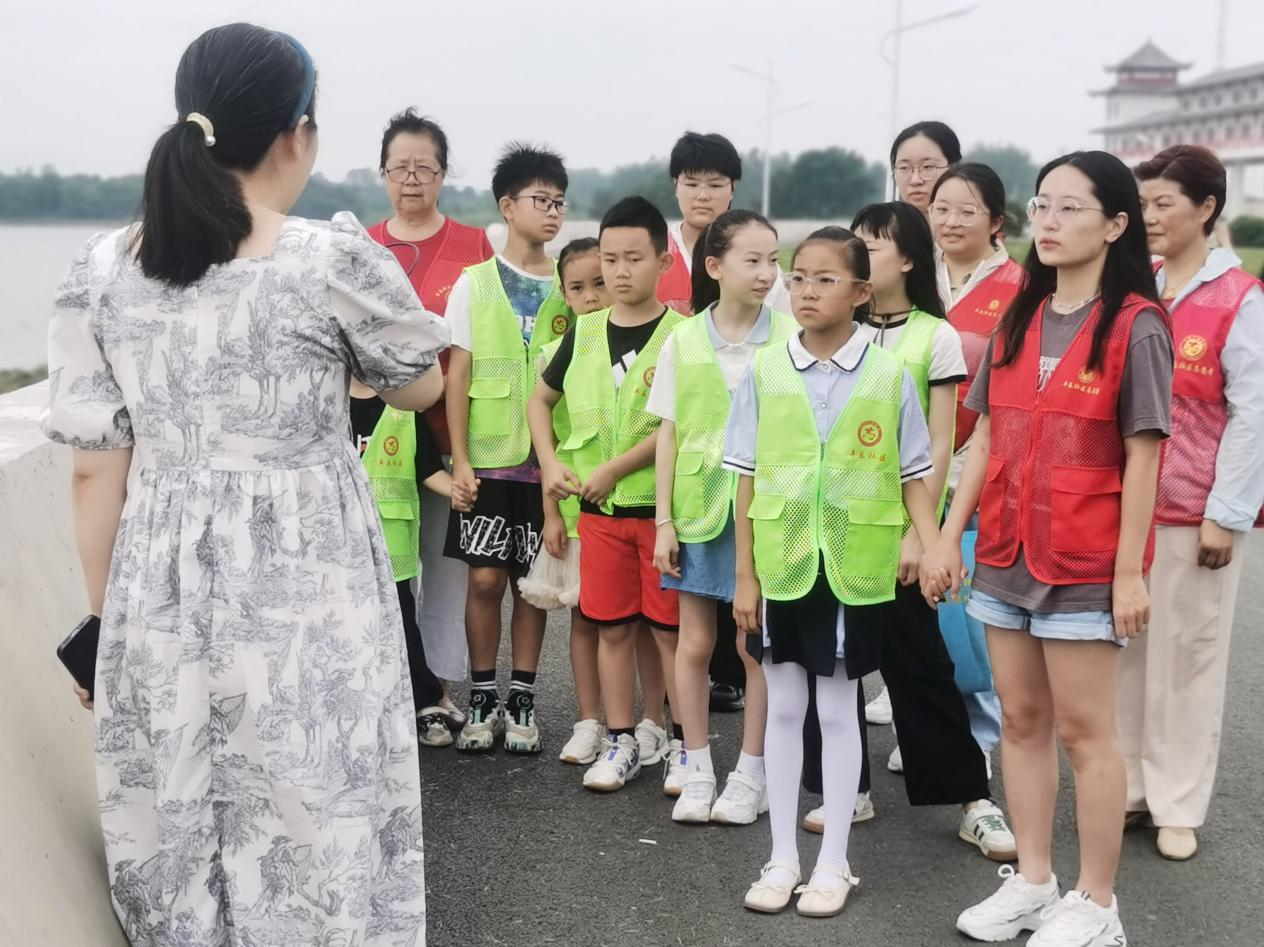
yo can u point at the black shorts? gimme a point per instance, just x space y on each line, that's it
503 530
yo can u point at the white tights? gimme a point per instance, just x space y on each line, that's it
783 757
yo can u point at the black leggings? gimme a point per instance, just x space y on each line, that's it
427 689
942 762
726 664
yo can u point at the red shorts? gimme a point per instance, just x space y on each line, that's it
617 579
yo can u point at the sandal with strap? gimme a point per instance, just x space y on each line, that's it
771 897
820 901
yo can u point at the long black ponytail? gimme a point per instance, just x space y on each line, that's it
252 85
715 240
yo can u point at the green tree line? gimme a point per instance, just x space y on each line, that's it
826 183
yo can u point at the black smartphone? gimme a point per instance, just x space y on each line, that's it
79 652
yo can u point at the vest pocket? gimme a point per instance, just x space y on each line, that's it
491 408
689 462
992 498
768 523
1084 508
578 439
396 510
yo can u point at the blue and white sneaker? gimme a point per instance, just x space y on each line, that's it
620 762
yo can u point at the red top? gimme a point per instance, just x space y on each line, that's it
675 287
1055 470
433 265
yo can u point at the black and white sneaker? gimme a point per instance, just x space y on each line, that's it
521 733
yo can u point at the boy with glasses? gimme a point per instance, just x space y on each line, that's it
502 313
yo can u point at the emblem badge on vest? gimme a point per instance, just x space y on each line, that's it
391 446
1193 347
1086 375
648 377
560 325
869 433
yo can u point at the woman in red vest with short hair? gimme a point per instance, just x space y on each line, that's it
1211 488
1074 398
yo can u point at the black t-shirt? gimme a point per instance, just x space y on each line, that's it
625 343
366 412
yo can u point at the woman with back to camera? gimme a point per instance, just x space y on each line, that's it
433 249
1074 397
256 748
1211 487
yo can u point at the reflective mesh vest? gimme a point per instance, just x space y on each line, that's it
842 499
975 317
915 348
391 463
503 369
606 422
1200 326
569 508
702 490
1055 471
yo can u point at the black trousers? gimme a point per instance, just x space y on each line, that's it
427 689
726 665
942 762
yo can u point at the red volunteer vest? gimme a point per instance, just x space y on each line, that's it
975 317
675 287
1055 471
1200 325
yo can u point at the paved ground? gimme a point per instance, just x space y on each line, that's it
519 854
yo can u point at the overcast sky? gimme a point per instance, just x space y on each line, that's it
87 83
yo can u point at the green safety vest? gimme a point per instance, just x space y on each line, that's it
702 490
391 462
606 422
502 368
915 349
569 508
842 499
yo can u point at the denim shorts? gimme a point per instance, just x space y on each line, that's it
708 569
1064 626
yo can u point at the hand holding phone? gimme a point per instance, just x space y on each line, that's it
79 653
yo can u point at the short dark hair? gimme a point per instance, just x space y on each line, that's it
906 227
943 137
408 122
1196 169
254 85
522 165
986 182
636 211
577 247
697 153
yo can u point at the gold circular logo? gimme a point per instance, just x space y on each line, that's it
391 446
560 325
1193 347
1087 375
648 377
994 305
869 432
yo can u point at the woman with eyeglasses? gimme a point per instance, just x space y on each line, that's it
919 155
1074 398
433 250
256 753
1211 488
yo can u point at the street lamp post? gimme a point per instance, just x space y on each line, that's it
772 111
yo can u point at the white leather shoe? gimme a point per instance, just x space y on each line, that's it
817 900
771 897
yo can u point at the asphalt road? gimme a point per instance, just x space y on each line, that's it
518 853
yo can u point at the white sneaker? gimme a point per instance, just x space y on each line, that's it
585 744
696 798
652 741
621 762
987 762
744 799
878 710
863 811
1015 907
895 762
985 828
480 732
1079 921
677 769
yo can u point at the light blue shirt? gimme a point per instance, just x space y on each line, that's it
1238 492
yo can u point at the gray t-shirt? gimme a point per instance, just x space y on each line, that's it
1145 404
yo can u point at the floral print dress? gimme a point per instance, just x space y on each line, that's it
256 747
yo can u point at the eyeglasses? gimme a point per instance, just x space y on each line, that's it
966 215
543 203
401 173
1064 210
797 284
926 170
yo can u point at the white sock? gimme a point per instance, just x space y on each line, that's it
783 751
840 767
700 759
752 766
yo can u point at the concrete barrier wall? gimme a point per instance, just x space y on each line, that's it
53 887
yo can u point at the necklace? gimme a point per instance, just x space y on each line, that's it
1064 308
